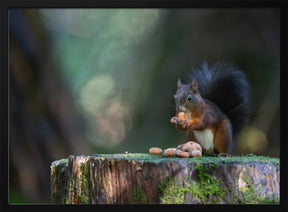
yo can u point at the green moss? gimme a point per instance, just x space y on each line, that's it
84 195
71 186
216 160
139 196
207 186
249 191
172 192
251 195
206 190
63 161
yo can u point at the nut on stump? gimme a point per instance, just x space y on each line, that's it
182 154
155 151
169 152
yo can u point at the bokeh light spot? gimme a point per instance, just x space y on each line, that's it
95 93
253 140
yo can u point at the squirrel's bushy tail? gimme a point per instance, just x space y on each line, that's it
228 88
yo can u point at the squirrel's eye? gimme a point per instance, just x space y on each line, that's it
189 98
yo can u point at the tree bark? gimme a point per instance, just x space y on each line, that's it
153 179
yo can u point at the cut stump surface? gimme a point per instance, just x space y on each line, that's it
152 179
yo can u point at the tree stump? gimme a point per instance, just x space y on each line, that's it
154 179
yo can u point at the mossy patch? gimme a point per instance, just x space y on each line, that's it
216 160
139 196
172 191
205 190
251 195
84 196
208 187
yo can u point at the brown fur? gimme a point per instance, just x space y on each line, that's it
223 136
223 102
203 118
206 115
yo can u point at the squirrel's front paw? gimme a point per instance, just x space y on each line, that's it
174 120
182 123
179 124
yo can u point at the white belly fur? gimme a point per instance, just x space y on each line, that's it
205 139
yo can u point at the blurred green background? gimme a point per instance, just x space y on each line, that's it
84 81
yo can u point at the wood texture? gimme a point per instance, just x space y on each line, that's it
153 179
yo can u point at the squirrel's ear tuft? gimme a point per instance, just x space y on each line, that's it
179 84
194 86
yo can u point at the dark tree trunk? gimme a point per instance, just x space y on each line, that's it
43 120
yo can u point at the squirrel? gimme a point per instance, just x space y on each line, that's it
215 103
